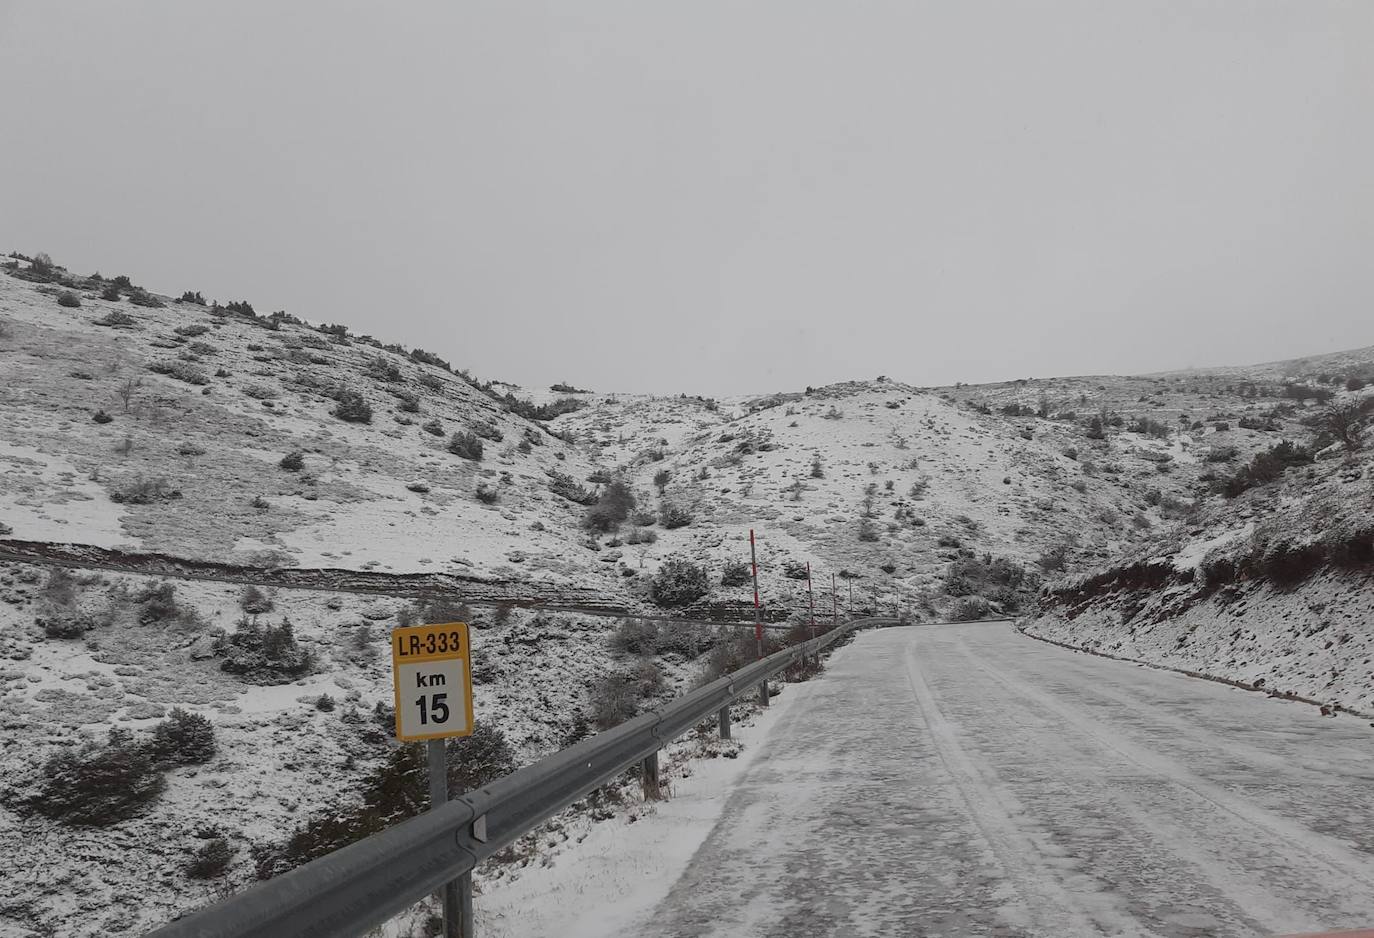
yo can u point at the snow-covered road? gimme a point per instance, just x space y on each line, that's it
966 780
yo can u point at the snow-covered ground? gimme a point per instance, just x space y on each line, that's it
616 871
1271 589
388 495
1315 642
280 758
883 483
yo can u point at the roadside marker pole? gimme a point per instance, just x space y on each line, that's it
834 604
758 617
811 599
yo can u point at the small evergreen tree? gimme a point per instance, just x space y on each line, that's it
99 786
183 739
679 582
465 444
674 516
211 860
351 407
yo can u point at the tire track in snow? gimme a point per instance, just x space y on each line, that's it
1141 843
1348 873
1048 905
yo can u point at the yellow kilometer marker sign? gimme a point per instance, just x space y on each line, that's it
432 667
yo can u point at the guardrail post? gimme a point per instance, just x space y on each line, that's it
725 722
464 888
652 790
763 692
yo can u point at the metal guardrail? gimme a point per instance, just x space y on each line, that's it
363 885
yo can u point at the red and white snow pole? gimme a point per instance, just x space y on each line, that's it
758 616
834 604
810 599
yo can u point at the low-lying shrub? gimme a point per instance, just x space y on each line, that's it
970 609
141 491
157 603
396 790
564 486
465 444
349 406
733 651
1265 467
488 431
212 859
97 786
672 515
116 319
263 654
679 582
183 739
612 507
617 696
140 297
181 370
254 601
735 574
995 580
383 369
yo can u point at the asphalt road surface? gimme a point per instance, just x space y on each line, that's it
967 780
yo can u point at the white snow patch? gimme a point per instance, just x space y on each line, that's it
622 869
1194 552
67 508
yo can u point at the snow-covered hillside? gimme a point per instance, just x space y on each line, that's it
165 428
287 746
1269 588
1155 517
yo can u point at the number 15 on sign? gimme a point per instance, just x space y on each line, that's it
432 667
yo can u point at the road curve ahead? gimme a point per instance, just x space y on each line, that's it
966 780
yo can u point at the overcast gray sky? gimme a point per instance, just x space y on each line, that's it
719 197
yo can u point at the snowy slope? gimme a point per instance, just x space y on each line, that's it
882 484
263 393
270 388
1270 589
280 759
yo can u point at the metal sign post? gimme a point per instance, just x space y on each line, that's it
431 667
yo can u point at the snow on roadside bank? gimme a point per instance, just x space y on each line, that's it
620 868
1314 641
